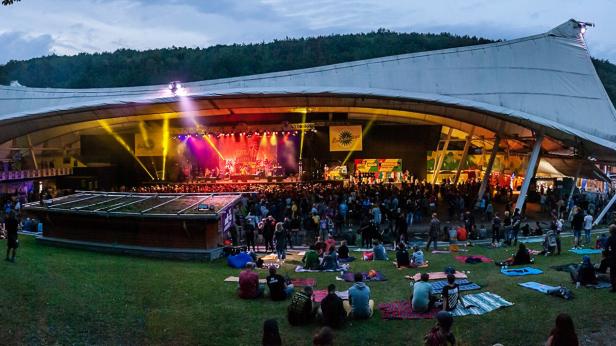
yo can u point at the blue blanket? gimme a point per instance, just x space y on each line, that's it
480 303
239 261
538 286
585 251
465 285
521 271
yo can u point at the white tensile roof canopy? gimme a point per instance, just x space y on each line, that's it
543 83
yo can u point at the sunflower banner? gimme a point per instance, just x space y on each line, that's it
345 138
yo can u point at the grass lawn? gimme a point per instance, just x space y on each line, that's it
61 296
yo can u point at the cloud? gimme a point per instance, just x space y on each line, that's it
74 26
19 46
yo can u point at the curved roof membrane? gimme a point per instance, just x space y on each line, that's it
545 82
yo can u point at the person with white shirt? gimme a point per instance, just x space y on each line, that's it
587 227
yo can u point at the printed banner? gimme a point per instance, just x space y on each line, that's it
345 138
378 165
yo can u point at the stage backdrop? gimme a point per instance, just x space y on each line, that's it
345 138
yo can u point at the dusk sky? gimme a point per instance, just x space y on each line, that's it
33 28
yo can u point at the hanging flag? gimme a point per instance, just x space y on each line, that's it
345 138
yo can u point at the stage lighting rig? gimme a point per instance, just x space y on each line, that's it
175 87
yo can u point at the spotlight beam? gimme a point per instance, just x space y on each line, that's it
120 140
363 134
301 138
207 139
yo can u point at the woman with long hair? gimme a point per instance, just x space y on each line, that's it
563 333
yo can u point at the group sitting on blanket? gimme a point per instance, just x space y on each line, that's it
332 311
423 297
404 260
327 259
521 257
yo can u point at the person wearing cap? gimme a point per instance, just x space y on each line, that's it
278 288
249 283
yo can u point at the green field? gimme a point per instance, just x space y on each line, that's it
61 296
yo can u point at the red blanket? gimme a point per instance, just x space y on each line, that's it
301 282
402 310
484 259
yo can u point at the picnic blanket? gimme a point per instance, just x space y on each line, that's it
465 285
403 310
350 277
585 251
538 286
301 282
237 279
425 265
300 269
480 303
318 295
437 276
440 251
521 271
269 258
484 259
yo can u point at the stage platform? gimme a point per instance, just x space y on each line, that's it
235 180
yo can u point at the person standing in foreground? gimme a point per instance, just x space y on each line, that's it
12 243
435 227
563 333
587 228
610 251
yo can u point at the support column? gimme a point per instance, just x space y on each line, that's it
464 155
441 157
605 210
486 176
530 172
32 152
577 176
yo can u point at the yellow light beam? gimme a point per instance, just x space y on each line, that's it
363 134
301 138
207 139
120 140
165 145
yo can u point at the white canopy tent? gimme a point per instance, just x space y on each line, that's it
543 83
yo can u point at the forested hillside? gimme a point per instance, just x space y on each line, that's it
127 67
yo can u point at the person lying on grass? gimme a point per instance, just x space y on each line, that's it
521 257
422 297
451 294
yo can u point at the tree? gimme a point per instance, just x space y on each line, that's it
9 2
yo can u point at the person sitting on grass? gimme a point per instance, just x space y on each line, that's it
249 283
521 257
331 311
440 334
402 256
300 311
319 246
451 294
278 288
549 243
359 305
379 252
330 260
311 259
585 273
422 297
329 243
343 250
563 333
271 334
417 259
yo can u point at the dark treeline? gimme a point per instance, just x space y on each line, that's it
126 67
